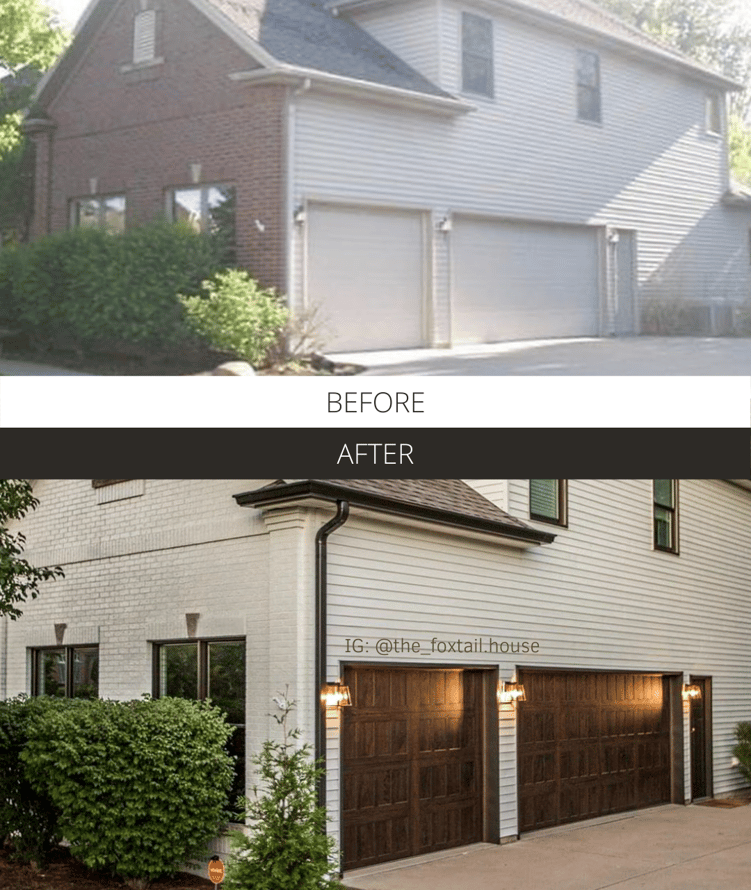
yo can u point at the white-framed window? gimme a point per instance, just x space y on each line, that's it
144 36
588 97
106 212
713 113
477 54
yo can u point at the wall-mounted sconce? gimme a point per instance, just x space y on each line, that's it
335 695
612 235
509 693
444 225
691 690
259 225
299 215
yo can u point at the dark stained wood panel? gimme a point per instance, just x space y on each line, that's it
412 762
590 744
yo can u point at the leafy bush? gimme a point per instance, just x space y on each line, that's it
288 848
141 786
28 818
86 287
742 750
236 315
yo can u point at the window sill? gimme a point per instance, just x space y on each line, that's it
140 66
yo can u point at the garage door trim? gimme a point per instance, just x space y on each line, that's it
672 708
490 753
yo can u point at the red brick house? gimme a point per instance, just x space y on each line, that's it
425 172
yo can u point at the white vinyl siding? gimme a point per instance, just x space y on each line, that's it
598 598
144 36
650 167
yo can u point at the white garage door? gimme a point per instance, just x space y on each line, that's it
366 272
523 280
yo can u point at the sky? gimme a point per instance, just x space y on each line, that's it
69 10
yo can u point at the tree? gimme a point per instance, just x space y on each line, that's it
30 41
19 580
288 848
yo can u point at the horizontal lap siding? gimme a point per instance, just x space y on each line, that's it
597 598
650 166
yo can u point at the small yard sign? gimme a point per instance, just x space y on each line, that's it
216 870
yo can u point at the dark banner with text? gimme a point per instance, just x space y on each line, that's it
376 453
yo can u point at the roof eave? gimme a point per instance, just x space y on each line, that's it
349 86
276 495
519 10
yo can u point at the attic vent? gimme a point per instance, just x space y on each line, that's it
144 31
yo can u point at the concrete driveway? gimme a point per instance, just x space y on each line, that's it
584 356
663 848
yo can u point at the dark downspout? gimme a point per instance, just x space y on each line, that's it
342 512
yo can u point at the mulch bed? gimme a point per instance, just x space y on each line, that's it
725 802
64 873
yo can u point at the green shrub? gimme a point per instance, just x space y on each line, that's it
141 786
236 315
28 818
288 848
742 750
86 287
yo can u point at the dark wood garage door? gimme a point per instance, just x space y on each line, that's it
591 744
412 762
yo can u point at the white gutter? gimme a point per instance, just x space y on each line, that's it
337 83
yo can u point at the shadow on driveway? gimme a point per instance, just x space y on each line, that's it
585 356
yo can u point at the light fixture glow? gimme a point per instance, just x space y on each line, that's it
510 693
691 690
335 695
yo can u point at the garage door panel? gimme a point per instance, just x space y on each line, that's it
440 774
593 743
523 280
366 272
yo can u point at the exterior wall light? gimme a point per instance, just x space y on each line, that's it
510 693
336 696
299 215
444 225
691 690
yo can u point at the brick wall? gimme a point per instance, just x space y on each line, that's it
137 132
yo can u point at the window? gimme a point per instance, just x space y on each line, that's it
713 112
213 669
665 497
547 500
99 213
477 54
208 208
66 671
588 85
144 36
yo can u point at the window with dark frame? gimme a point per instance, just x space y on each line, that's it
208 669
65 671
547 500
477 54
665 510
588 86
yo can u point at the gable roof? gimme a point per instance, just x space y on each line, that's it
304 34
444 501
